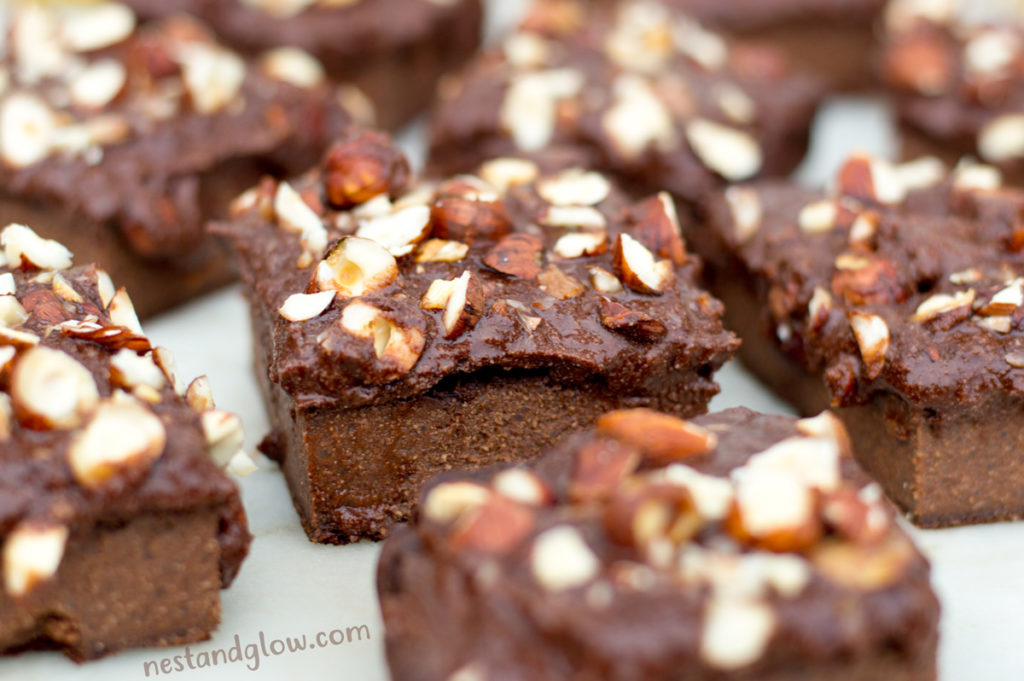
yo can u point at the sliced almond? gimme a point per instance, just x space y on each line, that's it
354 267
300 307
50 389
26 249
224 434
636 267
120 436
32 554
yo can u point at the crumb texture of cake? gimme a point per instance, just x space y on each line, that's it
439 324
642 89
121 140
118 523
896 298
957 72
388 55
655 548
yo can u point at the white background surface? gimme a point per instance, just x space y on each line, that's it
290 587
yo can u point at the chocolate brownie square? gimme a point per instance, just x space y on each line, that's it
118 525
956 71
403 330
121 142
897 300
735 546
388 54
641 89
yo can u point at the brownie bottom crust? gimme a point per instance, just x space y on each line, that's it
153 580
436 618
355 473
958 465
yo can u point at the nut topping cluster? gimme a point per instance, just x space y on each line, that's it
647 509
911 263
77 78
77 371
382 270
970 54
636 81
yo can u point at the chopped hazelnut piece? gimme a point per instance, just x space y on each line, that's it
50 389
354 267
561 559
872 335
121 435
32 554
636 267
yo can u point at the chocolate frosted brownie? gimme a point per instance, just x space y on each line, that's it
122 142
957 74
389 54
736 546
641 89
897 299
834 38
118 526
406 329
